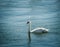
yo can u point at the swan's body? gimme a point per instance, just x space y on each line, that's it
36 30
39 30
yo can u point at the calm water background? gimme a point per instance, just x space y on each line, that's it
14 15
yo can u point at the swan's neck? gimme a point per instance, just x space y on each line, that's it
29 26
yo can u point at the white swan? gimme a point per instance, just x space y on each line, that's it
36 30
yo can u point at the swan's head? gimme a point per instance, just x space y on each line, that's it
28 22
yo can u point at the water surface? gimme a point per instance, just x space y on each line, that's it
14 15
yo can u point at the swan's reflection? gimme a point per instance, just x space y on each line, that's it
29 41
29 38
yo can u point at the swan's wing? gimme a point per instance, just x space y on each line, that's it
39 30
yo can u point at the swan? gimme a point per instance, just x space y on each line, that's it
36 30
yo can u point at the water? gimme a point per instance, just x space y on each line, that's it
14 15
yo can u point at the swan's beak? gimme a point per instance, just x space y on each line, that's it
28 22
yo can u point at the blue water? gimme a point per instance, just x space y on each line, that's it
14 15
